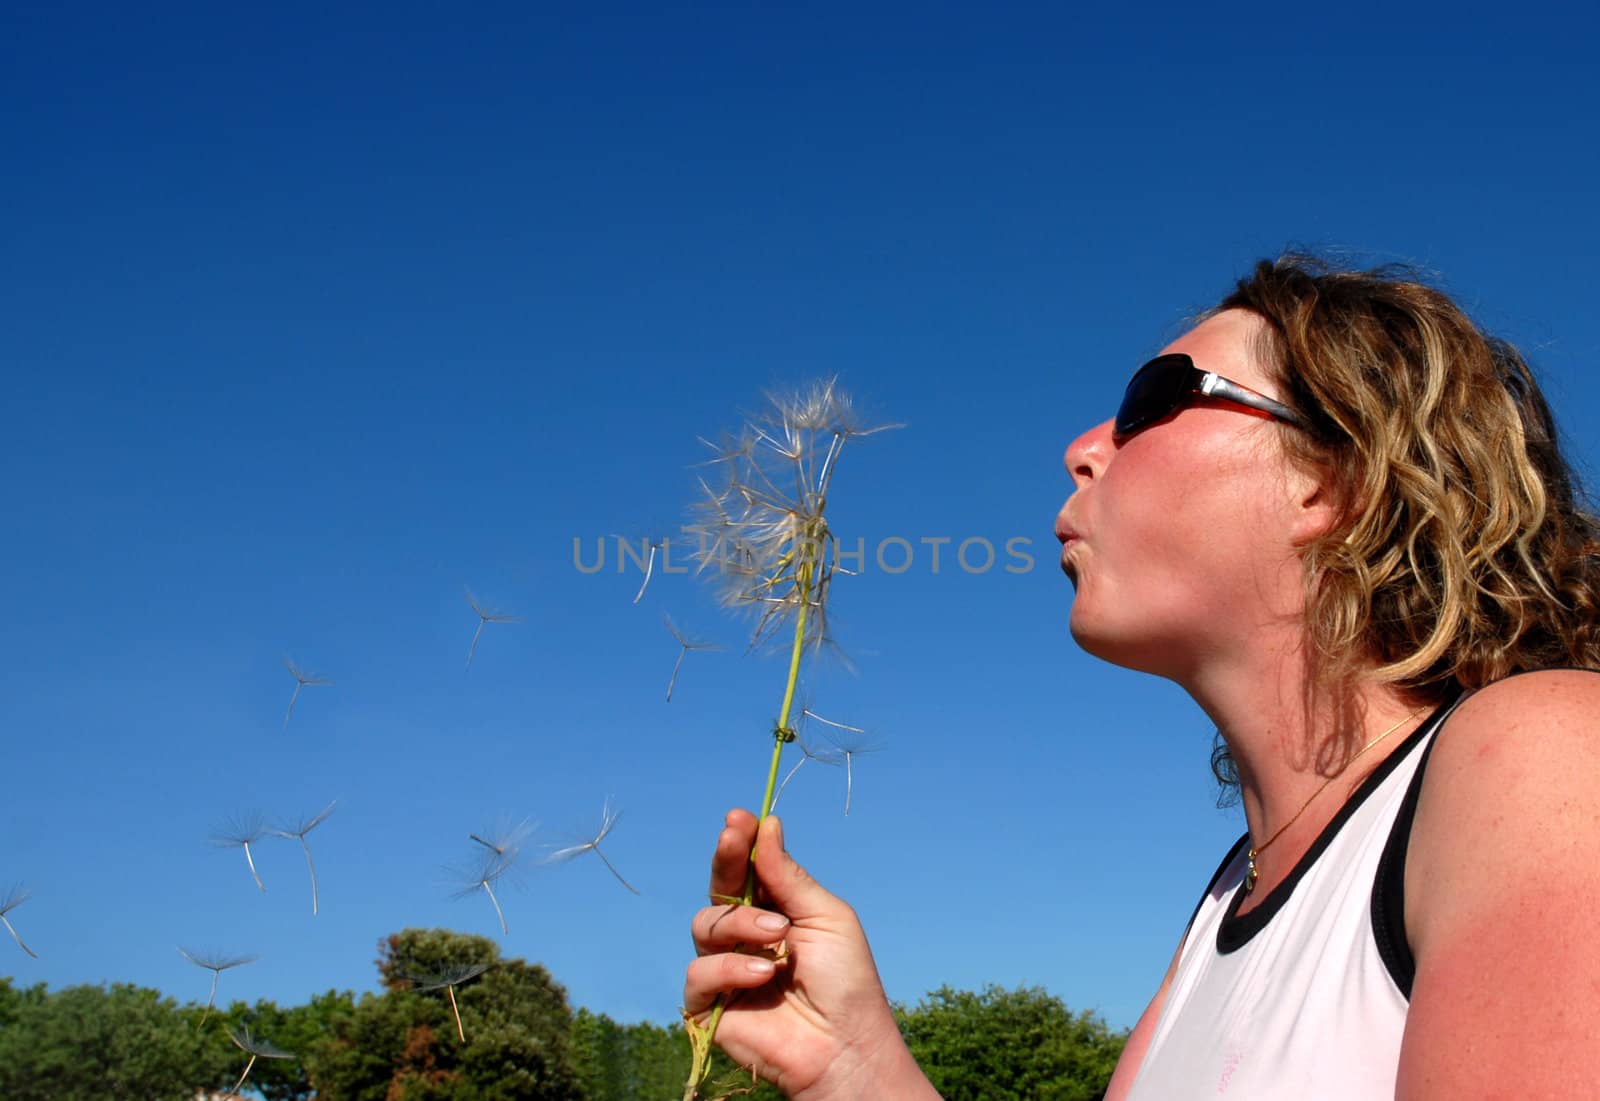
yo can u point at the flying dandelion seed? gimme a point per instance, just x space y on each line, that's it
490 868
9 901
608 822
507 838
297 830
850 742
256 1049
765 541
808 752
649 568
302 679
216 964
241 833
648 546
485 616
448 980
686 643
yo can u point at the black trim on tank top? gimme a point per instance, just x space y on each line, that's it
1234 931
1389 888
1389 936
1237 848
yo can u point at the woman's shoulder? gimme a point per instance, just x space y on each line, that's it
1540 690
1510 801
1501 882
1509 754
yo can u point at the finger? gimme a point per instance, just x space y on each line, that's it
788 887
731 861
720 928
710 976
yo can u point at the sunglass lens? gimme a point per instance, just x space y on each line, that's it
1155 390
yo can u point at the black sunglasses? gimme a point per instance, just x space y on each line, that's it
1168 383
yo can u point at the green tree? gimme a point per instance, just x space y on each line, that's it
639 1062
384 1043
646 1062
402 1045
1009 1045
12 1000
96 1043
599 1054
407 954
302 1029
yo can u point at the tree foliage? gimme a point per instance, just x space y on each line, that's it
1009 1045
90 1043
646 1061
404 956
302 1029
125 1041
97 1043
402 1045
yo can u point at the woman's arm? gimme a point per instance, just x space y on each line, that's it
817 1023
1502 898
1139 1039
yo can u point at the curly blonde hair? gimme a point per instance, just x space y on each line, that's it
1463 553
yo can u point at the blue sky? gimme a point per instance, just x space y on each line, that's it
311 318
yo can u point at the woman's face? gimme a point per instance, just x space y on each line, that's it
1181 540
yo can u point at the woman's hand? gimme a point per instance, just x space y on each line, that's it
815 1021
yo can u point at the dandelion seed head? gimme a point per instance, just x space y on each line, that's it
608 821
810 745
818 407
304 677
13 896
850 741
506 838
250 1045
240 830
687 641
609 816
454 975
486 613
761 523
299 827
216 961
814 750
487 869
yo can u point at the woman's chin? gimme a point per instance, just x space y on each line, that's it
1127 649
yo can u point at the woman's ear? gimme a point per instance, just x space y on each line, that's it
1316 502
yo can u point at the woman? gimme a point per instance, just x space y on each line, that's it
1334 512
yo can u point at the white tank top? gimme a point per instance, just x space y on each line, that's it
1305 996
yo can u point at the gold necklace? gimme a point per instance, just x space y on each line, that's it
1255 851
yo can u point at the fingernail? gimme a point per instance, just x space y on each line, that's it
757 966
772 923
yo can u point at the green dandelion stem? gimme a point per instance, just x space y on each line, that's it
780 736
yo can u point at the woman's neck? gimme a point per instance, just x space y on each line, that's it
1299 753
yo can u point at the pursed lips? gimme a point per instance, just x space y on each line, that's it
1069 538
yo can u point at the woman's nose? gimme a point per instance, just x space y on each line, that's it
1087 456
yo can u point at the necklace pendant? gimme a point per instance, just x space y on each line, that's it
1250 873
